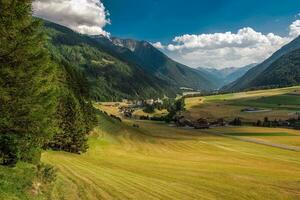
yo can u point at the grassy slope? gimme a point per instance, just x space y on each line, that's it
283 102
161 162
277 136
18 183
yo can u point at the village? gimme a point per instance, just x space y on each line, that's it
127 108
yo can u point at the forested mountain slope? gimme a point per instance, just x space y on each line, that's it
109 78
161 66
248 80
283 72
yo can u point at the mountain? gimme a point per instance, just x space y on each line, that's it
225 76
213 75
283 72
159 65
238 72
109 77
250 78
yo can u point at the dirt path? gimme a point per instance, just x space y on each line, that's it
256 141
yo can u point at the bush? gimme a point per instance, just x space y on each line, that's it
144 117
162 118
46 173
258 123
149 109
9 152
236 122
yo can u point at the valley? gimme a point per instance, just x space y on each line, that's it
149 100
279 104
158 161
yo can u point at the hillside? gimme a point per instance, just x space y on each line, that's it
283 72
110 78
238 73
248 80
225 76
157 161
159 65
161 162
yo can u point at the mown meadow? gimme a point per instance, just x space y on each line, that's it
157 161
160 161
282 103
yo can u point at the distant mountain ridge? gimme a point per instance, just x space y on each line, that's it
253 76
161 66
225 76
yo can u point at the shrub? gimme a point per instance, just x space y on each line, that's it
9 151
46 173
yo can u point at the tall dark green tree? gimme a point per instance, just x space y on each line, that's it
27 84
75 113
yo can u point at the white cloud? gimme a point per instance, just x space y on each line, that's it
158 45
295 29
227 49
84 16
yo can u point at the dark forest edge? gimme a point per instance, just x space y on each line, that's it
44 101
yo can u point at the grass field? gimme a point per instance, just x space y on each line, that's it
112 108
158 161
282 104
278 136
162 162
16 182
156 113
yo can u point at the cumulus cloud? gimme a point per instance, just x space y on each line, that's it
158 45
84 16
227 49
295 29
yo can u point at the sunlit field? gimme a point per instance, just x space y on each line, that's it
157 161
156 113
279 104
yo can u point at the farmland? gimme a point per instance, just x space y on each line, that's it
157 161
160 161
278 103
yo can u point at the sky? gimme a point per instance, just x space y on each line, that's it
198 33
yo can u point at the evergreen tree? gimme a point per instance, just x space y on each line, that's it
72 134
177 106
27 84
75 113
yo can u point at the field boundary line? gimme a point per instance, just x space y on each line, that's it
270 144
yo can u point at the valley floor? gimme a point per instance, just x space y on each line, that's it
157 161
281 103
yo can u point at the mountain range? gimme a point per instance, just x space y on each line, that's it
118 68
109 78
125 68
222 77
159 65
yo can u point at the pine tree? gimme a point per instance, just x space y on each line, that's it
27 84
75 113
72 134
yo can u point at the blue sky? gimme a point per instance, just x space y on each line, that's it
162 20
198 33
